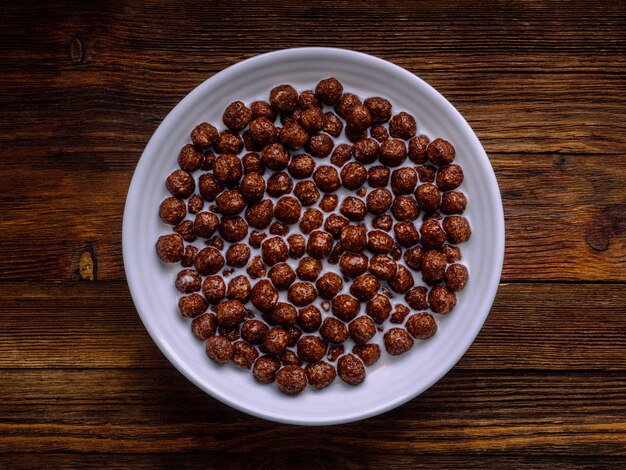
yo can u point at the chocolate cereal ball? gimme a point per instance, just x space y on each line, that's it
205 224
185 230
189 256
311 348
239 289
229 143
395 252
378 242
416 298
230 202
383 267
190 158
287 210
341 155
378 176
379 133
264 297
426 173
233 229
290 358
328 91
332 124
456 277
204 326
276 341
368 353
421 326
228 169
353 176
236 116
397 341
319 244
219 349
329 202
209 261
312 119
353 264
402 126
309 269
328 285
248 142
282 276
457 229
452 253
433 267
214 289
275 157
378 308
405 208
365 287
180 184
274 250
320 374
432 234
265 368
379 108
209 187
320 145
453 202
326 178
310 319
172 210
333 331
350 369
260 214
301 166
354 238
170 248
392 152
297 246
440 152
346 103
334 224
428 197
379 201
252 187
283 98
283 314
402 281
417 148
292 136
345 307
449 177
291 380
406 234
279 184
366 150
256 269
353 209
354 135
192 305
230 313
204 135
195 204
403 180
252 163
362 329
262 109
301 293
307 99
263 131
441 300
237 255
359 117
208 162
306 192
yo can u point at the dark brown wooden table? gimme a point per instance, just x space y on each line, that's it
84 85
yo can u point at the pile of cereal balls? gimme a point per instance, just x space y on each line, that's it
308 246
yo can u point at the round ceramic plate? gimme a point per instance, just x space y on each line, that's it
392 380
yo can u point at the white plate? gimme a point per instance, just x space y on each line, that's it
393 380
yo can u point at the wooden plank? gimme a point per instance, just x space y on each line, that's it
565 217
531 326
147 411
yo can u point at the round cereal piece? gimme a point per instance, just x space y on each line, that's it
441 300
433 267
335 223
260 215
283 314
345 307
172 210
452 253
310 319
346 103
320 375
297 246
274 250
239 289
432 235
204 326
228 169
219 349
233 229
326 178
278 228
238 255
291 380
301 166
397 341
209 187
190 158
399 314
405 208
263 131
332 124
328 285
282 276
283 98
262 109
335 253
456 277
354 135
263 296
236 116
402 126
395 252
312 119
453 202
231 333
353 209
256 269
457 229
417 148
249 143
368 353
403 181
379 108
328 91
365 287
275 157
354 238
379 201
379 133
406 234
205 224
383 267
189 256
292 136
353 176
320 145
428 197
350 369
265 368
192 305
204 135
209 261
252 163
426 173
353 264
244 354
307 192
329 202
311 348
362 329
230 313
252 187
253 331
333 331
279 184
229 143
359 117
440 152
294 335
170 248
230 202
416 298
319 244
307 99
378 176
290 118
421 326
365 150
402 281
449 177
195 204
180 184
301 293
214 289
309 269
392 152
379 242
209 161
341 155
276 341
290 358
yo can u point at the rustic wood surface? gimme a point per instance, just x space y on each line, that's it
84 85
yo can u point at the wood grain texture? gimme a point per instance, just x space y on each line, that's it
84 85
